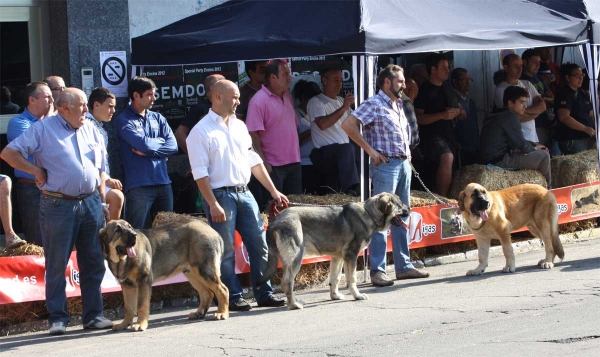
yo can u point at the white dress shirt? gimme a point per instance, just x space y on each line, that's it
222 153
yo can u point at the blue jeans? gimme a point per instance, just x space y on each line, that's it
28 197
241 213
143 203
393 177
287 178
68 223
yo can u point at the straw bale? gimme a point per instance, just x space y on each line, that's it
568 170
172 217
26 249
423 199
493 178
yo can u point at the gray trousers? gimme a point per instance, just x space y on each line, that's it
535 160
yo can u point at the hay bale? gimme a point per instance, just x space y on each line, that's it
423 199
163 218
568 170
26 249
493 178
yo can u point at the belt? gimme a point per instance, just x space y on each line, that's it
401 157
67 197
24 180
238 189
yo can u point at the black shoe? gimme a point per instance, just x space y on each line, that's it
239 305
272 301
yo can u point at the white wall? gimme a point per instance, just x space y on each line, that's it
149 15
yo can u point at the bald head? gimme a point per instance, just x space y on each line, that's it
72 106
56 84
226 98
209 82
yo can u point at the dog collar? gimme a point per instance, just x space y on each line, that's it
476 229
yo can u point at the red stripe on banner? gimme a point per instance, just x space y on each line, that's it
22 277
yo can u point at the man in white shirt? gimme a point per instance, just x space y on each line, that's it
222 160
513 66
333 153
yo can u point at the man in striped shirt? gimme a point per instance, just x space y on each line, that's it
386 139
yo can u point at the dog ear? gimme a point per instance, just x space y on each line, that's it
461 200
102 231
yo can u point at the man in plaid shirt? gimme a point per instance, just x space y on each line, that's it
386 139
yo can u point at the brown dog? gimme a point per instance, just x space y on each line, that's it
137 258
494 214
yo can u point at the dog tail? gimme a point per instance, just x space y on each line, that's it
272 258
556 243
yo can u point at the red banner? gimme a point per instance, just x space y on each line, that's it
22 277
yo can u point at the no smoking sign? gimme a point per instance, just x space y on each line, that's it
113 71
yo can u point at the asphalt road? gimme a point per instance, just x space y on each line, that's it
529 313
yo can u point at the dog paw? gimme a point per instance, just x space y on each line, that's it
361 297
221 316
295 306
139 327
474 272
508 269
196 315
119 327
337 296
545 265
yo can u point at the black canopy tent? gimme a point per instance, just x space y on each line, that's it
254 30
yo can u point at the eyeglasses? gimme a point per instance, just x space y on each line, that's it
579 75
59 88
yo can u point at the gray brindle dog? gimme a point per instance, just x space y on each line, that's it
338 231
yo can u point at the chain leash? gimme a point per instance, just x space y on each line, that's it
437 198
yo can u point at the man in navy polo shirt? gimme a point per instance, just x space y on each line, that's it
145 141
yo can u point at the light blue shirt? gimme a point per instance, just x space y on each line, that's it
73 158
17 126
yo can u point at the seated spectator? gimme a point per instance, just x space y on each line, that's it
546 59
333 153
102 104
303 91
6 106
12 239
513 66
466 131
576 131
502 142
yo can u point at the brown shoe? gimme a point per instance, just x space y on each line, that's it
412 274
14 242
381 279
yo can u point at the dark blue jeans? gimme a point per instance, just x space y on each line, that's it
143 203
28 197
337 159
393 177
68 223
241 213
288 178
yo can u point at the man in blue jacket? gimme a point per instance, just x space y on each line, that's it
145 141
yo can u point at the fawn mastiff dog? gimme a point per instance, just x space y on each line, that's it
339 231
137 258
494 214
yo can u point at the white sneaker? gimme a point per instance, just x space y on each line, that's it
100 322
58 328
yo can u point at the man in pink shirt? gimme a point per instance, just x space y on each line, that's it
272 123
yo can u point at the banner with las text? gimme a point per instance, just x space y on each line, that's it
22 277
